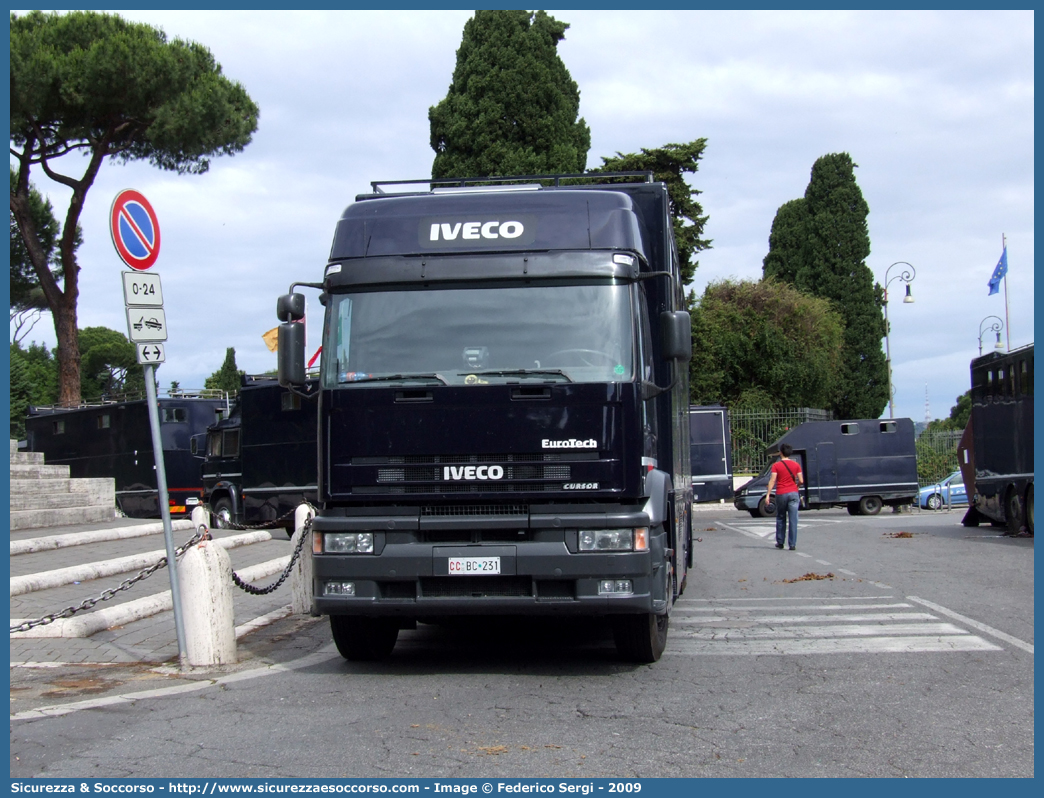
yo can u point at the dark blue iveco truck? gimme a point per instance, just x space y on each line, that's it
503 409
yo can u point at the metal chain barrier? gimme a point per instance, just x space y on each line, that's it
275 522
202 533
261 591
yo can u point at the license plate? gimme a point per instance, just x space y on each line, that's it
473 566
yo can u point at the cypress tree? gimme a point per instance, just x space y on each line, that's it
512 106
669 164
228 378
820 245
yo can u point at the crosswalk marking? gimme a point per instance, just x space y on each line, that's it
827 625
850 630
900 605
869 617
870 645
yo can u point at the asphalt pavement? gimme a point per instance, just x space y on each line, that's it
898 645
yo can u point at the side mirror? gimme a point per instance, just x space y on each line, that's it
291 353
676 334
290 307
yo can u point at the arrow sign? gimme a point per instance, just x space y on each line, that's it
135 229
151 354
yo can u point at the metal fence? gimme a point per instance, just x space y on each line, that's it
754 430
937 455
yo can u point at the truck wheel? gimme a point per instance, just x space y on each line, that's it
766 508
935 502
640 638
223 518
853 508
363 639
1029 509
870 505
1013 511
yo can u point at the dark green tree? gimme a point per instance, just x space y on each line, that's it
669 164
820 245
788 243
108 365
98 86
512 106
27 297
34 381
228 378
763 344
960 413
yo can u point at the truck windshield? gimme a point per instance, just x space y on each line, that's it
474 336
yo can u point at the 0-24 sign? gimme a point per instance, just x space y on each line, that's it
142 289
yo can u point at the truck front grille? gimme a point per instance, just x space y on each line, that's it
476 586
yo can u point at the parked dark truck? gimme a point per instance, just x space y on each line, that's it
114 439
1002 440
861 464
503 409
261 461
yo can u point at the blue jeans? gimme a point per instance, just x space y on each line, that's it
787 507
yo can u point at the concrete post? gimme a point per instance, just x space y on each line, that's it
301 576
200 515
205 578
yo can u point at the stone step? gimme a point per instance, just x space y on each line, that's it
99 491
27 458
39 471
50 501
42 485
36 519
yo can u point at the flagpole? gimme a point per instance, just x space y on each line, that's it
1007 321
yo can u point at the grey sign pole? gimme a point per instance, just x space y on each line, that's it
147 328
161 484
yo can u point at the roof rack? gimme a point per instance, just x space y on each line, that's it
462 182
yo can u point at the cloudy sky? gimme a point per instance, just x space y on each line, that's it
935 107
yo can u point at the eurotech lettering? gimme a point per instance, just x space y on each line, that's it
454 473
474 231
572 443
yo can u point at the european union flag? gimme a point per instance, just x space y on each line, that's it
999 273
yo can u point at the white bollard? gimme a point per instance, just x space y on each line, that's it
301 576
200 515
205 579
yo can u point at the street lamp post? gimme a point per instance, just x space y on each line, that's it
996 327
906 276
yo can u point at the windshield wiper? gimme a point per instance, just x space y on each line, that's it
394 377
518 373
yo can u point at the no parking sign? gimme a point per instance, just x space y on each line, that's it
135 229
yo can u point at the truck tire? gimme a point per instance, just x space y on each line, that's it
853 508
1029 509
640 638
870 505
222 514
363 639
1013 511
766 509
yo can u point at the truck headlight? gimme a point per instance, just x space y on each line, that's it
614 539
348 542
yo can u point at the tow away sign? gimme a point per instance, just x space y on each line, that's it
151 353
146 325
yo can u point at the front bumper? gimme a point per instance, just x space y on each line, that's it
542 572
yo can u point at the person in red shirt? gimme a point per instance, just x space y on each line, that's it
787 474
